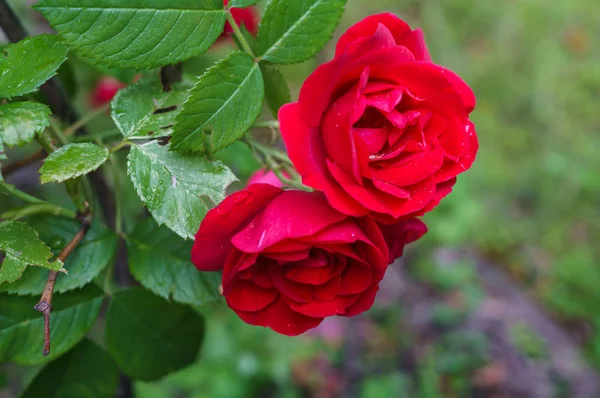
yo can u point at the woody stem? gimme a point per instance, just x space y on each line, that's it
45 304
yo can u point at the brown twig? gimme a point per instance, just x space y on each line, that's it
45 304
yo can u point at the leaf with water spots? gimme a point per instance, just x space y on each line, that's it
173 186
93 254
71 161
21 121
26 65
22 247
144 110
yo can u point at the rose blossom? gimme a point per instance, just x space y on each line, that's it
380 129
289 259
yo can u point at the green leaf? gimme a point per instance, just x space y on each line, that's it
277 92
294 30
26 65
12 269
225 102
160 261
150 337
86 371
21 121
23 247
144 110
71 161
90 257
241 3
22 328
172 185
137 34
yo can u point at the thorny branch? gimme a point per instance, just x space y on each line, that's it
45 304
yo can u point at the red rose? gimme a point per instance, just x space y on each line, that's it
380 129
105 90
247 16
289 259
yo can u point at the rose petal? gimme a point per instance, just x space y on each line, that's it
377 256
450 168
466 93
318 88
236 262
336 128
243 295
312 262
294 291
391 189
282 219
263 176
329 290
310 276
400 30
356 279
287 246
307 152
373 138
380 202
337 306
346 231
281 318
364 302
441 191
213 240
385 100
427 84
400 234
420 167
262 279
289 256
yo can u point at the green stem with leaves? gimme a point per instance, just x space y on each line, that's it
238 34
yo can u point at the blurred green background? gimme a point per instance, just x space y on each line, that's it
529 207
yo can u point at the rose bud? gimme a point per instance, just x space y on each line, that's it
105 90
